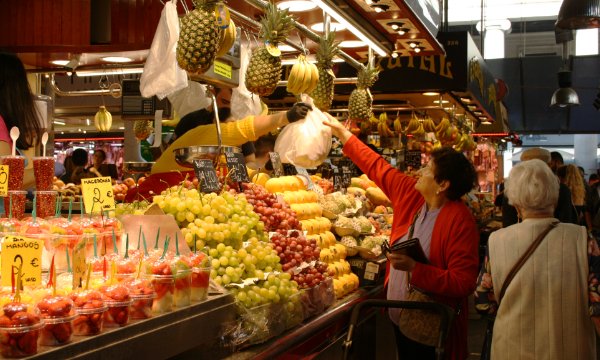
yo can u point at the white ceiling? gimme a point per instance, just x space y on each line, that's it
469 11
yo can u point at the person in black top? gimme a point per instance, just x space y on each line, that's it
100 168
564 211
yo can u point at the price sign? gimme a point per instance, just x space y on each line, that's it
412 158
346 176
276 162
17 251
337 180
78 261
236 164
289 170
97 194
302 172
207 176
3 180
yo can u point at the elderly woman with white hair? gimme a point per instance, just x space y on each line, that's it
543 306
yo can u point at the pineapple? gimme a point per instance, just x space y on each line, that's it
323 94
264 69
359 104
199 38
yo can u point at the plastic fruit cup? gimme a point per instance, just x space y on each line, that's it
183 288
45 203
16 169
43 169
164 287
89 321
117 313
19 341
57 330
18 203
141 306
200 280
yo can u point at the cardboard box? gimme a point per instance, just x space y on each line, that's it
369 272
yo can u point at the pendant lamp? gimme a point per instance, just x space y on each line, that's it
579 14
564 96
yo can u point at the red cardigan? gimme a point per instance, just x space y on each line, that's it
452 273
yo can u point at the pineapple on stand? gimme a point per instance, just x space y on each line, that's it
264 69
323 94
199 37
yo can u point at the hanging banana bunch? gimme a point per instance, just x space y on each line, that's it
103 120
383 127
303 77
413 124
428 125
441 128
397 125
227 39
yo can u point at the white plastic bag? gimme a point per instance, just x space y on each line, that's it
243 102
307 142
189 99
162 76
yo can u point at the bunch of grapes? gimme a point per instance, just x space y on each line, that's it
274 214
133 208
312 276
211 219
294 249
277 288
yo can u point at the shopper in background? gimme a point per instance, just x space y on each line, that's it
444 226
80 171
17 108
99 168
565 211
571 177
546 308
556 161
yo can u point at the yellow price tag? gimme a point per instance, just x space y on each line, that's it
17 251
3 180
97 194
222 16
78 261
222 69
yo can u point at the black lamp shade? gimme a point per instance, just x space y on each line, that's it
579 14
565 95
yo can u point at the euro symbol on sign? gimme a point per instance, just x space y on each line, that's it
109 193
34 262
3 177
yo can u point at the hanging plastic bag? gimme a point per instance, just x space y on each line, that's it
189 99
162 76
307 142
243 102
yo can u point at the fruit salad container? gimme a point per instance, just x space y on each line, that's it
117 301
20 326
58 313
183 288
142 295
164 287
200 282
90 309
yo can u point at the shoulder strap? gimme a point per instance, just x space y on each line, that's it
523 259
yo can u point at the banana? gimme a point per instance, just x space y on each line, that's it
296 77
314 78
437 145
387 130
413 125
373 119
428 125
397 125
442 126
228 39
419 132
307 75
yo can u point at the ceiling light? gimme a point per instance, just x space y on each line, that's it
430 93
59 62
565 95
117 59
285 48
296 5
394 54
337 15
115 71
465 99
333 26
379 8
413 44
477 113
403 31
472 107
441 101
59 122
352 44
579 14
395 25
418 49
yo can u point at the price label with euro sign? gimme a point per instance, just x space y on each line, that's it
3 180
207 176
236 165
21 251
97 194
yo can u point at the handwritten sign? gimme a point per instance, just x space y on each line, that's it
97 194
207 176
302 172
236 164
276 162
17 251
223 69
3 180
412 158
78 260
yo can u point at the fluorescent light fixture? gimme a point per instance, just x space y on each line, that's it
353 29
59 122
430 93
477 113
465 100
117 59
352 44
112 71
296 5
285 48
87 122
441 101
333 26
122 128
487 123
59 62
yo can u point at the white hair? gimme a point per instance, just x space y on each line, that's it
532 186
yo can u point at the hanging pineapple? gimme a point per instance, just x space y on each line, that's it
199 37
142 129
361 100
264 69
323 94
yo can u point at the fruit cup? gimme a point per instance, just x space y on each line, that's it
126 268
18 203
43 169
200 280
142 295
164 287
19 330
117 300
58 313
16 169
183 288
90 309
45 203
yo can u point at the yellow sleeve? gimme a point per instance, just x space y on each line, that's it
233 133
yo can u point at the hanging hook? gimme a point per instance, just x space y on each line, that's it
103 82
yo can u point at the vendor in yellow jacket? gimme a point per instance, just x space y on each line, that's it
234 133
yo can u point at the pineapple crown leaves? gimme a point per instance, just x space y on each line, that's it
328 49
367 76
276 24
205 3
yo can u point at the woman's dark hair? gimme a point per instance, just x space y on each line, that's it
100 151
79 157
16 101
453 166
192 120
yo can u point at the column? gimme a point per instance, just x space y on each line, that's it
493 41
586 147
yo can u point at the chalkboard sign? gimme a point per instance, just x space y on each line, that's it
302 172
236 164
289 170
207 176
276 162
341 177
412 158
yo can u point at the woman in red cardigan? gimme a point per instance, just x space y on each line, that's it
444 226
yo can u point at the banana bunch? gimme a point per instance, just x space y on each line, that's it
437 145
397 125
420 132
413 124
383 127
428 125
443 130
303 77
227 39
465 143
103 120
